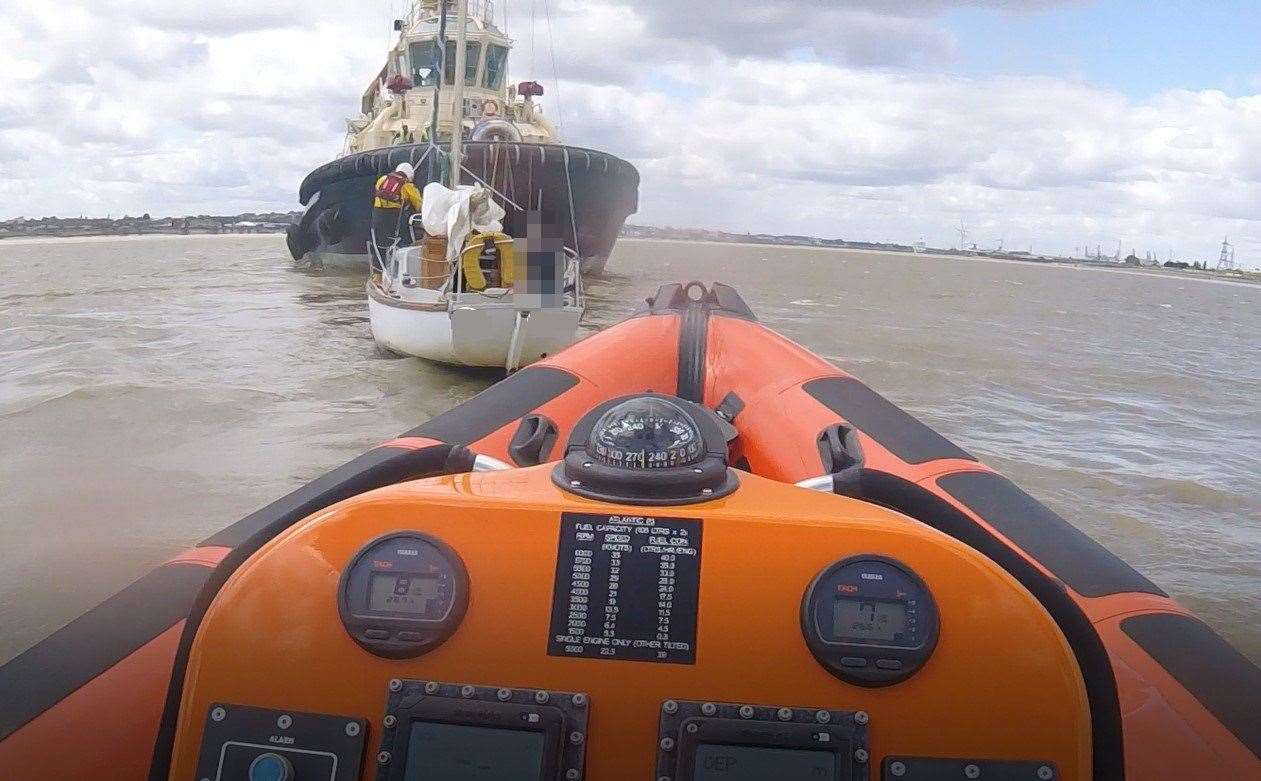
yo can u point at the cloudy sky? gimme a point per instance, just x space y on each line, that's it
1051 123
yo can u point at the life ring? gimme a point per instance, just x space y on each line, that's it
495 129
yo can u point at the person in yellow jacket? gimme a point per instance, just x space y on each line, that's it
394 200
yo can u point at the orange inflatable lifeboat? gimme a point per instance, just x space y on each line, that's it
684 549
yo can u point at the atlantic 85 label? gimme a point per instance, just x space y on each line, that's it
626 588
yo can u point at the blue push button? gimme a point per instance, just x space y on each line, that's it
270 767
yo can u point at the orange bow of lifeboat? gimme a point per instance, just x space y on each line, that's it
685 548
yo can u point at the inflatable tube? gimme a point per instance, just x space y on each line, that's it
1159 694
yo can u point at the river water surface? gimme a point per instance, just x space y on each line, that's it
154 390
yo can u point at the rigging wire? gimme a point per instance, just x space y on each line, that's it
534 4
551 43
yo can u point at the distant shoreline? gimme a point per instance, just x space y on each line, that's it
90 237
1246 277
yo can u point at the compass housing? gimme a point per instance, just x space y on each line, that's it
648 449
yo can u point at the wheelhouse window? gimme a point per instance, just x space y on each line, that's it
473 57
496 60
424 56
472 53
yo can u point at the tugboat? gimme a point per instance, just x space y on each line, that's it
721 559
509 146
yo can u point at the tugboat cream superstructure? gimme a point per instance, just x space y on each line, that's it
508 145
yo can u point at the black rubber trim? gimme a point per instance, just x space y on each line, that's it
895 493
882 420
61 663
497 406
1222 679
532 442
730 407
1086 566
693 332
377 468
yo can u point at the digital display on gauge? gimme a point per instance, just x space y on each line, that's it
402 594
407 593
715 762
461 752
868 619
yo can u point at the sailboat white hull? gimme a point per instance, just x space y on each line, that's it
477 335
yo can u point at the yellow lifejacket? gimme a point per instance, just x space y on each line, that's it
474 279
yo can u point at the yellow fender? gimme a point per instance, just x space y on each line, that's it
473 277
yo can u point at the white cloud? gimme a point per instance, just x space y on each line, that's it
790 119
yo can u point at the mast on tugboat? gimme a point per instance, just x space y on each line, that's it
440 64
457 96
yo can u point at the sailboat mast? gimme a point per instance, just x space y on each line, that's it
457 96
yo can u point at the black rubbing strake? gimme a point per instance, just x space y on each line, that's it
61 663
1086 566
377 468
896 493
882 420
1217 675
497 406
693 330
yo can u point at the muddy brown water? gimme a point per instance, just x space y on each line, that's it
154 390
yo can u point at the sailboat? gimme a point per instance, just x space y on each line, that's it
465 295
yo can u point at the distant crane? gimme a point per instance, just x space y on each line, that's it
1226 261
962 230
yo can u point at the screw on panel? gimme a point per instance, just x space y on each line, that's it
709 708
572 774
467 690
575 483
352 728
861 754
692 728
897 768
698 470
389 720
972 771
670 706
707 491
542 697
746 711
575 737
396 684
784 714
504 694
431 687
861 717
822 716
579 699
1046 773
587 464
285 721
218 714
383 758
667 744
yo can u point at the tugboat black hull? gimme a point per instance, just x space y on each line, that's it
588 194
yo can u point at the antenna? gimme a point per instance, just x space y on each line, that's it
1226 261
962 230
